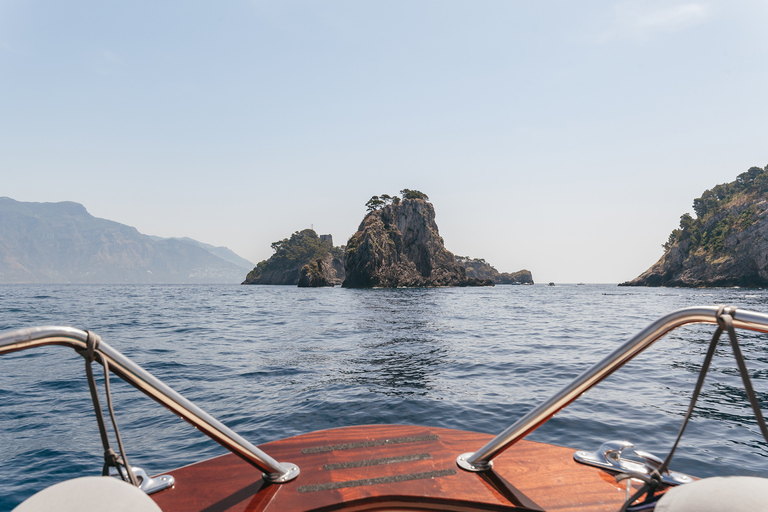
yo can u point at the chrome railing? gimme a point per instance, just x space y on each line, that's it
482 459
145 382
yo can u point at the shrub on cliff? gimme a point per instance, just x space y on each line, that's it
379 202
725 244
301 247
478 268
290 255
714 217
374 204
413 194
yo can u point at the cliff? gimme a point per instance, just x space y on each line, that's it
63 243
303 248
725 245
478 268
325 272
398 245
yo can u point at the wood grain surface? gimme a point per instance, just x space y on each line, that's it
395 467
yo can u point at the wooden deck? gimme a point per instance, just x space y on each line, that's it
395 467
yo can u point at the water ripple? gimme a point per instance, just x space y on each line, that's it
275 361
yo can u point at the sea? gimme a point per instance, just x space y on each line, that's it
277 361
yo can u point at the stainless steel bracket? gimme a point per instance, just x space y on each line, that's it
146 483
291 472
463 462
608 457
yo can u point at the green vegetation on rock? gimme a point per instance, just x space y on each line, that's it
413 194
478 268
291 254
726 244
716 216
379 202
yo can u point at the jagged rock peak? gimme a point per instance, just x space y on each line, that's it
725 245
398 245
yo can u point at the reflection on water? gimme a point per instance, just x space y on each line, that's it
397 356
400 366
273 361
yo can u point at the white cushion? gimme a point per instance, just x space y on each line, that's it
90 494
717 494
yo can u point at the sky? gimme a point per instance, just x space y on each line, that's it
562 137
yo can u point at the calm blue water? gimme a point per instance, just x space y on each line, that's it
272 361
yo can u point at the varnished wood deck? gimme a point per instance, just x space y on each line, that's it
384 467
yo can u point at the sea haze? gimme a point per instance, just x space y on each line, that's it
276 361
63 243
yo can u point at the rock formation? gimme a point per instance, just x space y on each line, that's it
725 245
520 277
303 248
273 274
398 244
324 272
480 269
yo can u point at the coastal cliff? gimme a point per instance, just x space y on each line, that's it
725 245
398 245
303 248
480 269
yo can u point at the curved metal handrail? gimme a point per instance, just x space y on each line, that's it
13 341
482 459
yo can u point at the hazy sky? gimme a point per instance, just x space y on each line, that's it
558 136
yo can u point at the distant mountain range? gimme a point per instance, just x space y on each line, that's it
63 243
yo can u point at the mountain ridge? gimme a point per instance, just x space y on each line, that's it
62 243
222 252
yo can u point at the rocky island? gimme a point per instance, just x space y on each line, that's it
304 259
480 269
398 245
725 245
